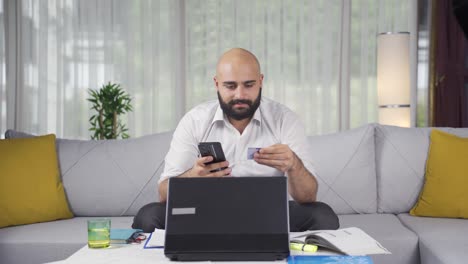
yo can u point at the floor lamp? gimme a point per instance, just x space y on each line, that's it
393 78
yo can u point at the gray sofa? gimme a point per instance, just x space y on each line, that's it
371 176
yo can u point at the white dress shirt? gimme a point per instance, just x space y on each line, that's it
271 124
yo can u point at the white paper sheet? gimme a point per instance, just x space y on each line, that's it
352 241
156 239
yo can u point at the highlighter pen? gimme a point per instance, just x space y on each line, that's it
303 247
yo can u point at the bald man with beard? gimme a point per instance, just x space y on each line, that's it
239 119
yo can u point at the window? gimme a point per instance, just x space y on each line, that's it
318 58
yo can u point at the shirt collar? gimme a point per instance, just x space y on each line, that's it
219 115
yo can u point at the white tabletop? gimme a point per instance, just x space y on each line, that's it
129 253
124 254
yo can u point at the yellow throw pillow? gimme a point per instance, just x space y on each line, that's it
30 187
445 189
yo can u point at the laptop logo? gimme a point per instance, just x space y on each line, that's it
183 211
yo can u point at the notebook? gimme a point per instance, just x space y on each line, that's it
228 218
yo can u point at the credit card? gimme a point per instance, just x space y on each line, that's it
251 152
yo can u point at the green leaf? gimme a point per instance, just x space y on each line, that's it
106 100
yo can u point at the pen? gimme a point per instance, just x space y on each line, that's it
303 247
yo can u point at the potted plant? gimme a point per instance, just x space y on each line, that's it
110 102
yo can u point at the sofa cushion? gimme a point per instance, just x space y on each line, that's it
400 159
390 233
444 193
49 241
441 240
345 168
17 134
30 186
111 177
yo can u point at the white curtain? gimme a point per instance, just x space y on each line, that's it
368 19
3 100
318 58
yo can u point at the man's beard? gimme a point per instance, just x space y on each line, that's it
240 114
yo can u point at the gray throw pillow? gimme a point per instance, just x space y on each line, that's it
345 167
16 134
110 177
401 155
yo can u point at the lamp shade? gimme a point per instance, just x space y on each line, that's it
393 78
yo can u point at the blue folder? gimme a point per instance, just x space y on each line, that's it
122 236
329 259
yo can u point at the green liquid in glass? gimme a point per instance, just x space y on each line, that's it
98 238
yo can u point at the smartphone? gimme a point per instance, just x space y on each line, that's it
213 149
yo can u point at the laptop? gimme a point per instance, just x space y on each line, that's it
228 218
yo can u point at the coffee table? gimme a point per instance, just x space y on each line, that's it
127 253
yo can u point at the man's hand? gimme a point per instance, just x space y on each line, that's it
302 184
278 156
201 169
